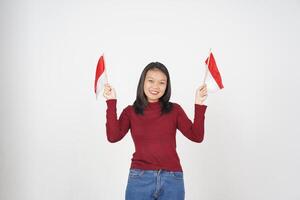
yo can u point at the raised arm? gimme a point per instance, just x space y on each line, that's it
116 128
192 130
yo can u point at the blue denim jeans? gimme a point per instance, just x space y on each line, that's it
154 185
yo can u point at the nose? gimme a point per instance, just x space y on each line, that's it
156 86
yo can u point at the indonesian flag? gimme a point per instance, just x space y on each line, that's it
212 78
100 80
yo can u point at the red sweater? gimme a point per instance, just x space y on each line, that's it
154 135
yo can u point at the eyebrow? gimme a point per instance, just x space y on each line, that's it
154 78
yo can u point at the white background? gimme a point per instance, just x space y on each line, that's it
53 140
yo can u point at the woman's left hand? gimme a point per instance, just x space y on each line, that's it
201 94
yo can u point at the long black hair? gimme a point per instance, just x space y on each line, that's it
141 100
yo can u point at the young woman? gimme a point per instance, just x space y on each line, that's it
155 171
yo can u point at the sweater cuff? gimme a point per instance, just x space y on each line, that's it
200 108
111 103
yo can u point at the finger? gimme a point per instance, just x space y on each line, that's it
108 88
203 94
202 88
107 85
106 92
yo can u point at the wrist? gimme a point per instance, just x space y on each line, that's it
199 102
110 99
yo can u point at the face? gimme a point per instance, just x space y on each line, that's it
155 85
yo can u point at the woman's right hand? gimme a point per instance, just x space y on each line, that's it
109 92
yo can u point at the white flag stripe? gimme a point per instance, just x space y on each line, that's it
212 85
100 84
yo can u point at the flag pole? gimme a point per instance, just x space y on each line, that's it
105 73
206 67
106 77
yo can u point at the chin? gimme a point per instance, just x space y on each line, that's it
153 100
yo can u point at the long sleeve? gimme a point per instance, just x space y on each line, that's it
192 130
116 128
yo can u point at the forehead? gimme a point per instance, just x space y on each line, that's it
156 74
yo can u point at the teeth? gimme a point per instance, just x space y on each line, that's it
154 92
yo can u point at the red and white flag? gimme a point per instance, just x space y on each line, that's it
101 77
212 77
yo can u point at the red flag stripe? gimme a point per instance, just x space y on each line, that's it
99 71
213 69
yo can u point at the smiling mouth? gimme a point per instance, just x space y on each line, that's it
154 93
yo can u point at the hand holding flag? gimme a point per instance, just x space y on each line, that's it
109 92
201 94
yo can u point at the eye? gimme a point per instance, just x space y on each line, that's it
162 83
151 81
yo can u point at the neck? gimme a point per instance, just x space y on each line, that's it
155 104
